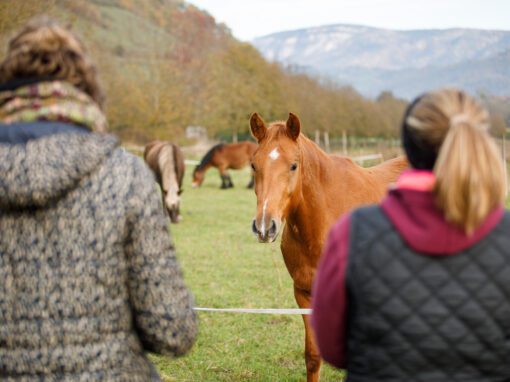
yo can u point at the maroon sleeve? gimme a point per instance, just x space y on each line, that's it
329 296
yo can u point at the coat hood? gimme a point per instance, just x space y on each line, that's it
40 171
412 209
423 226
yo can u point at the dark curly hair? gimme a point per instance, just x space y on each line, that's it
45 49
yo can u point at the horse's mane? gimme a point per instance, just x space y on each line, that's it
208 156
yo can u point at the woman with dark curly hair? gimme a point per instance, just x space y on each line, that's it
89 275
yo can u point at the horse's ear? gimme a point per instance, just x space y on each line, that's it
258 128
293 126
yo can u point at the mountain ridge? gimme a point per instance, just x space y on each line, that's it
367 57
378 28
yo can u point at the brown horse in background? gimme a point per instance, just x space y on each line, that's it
224 157
297 182
166 160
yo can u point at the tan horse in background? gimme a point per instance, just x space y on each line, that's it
225 156
299 184
166 160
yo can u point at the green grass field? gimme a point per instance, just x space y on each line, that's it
225 266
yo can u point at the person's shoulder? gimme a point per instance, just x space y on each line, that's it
360 213
367 212
131 165
341 225
505 219
367 223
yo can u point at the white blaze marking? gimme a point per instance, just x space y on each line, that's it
263 228
274 154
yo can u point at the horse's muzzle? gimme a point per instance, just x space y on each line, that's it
173 213
266 235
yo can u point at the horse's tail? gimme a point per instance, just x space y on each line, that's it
208 156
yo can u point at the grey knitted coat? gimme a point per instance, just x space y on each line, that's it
88 273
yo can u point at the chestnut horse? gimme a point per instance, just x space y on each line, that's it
225 156
165 159
298 183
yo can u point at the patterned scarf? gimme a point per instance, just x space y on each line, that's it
51 101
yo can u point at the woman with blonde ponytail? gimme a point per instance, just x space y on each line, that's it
469 170
418 288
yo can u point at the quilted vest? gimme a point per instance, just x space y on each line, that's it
414 317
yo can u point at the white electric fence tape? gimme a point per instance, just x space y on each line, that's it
255 311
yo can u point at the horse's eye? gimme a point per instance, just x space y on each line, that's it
293 167
253 167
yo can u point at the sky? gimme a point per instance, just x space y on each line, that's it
248 19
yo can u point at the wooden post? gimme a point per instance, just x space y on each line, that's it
318 137
344 142
326 141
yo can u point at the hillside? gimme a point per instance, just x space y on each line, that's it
404 62
167 65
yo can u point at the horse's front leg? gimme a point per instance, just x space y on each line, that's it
312 355
224 182
224 178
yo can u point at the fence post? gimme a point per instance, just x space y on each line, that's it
318 137
344 142
326 141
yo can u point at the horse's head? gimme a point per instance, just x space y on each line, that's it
198 177
277 168
172 200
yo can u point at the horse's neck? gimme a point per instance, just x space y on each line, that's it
310 213
167 167
318 167
205 166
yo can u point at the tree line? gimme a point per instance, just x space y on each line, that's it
168 65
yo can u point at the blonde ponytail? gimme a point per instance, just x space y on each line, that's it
469 176
469 169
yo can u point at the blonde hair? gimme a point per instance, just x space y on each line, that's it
44 49
469 170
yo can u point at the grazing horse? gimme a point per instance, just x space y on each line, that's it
166 160
224 157
298 183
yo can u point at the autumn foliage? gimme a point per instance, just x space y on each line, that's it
166 65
